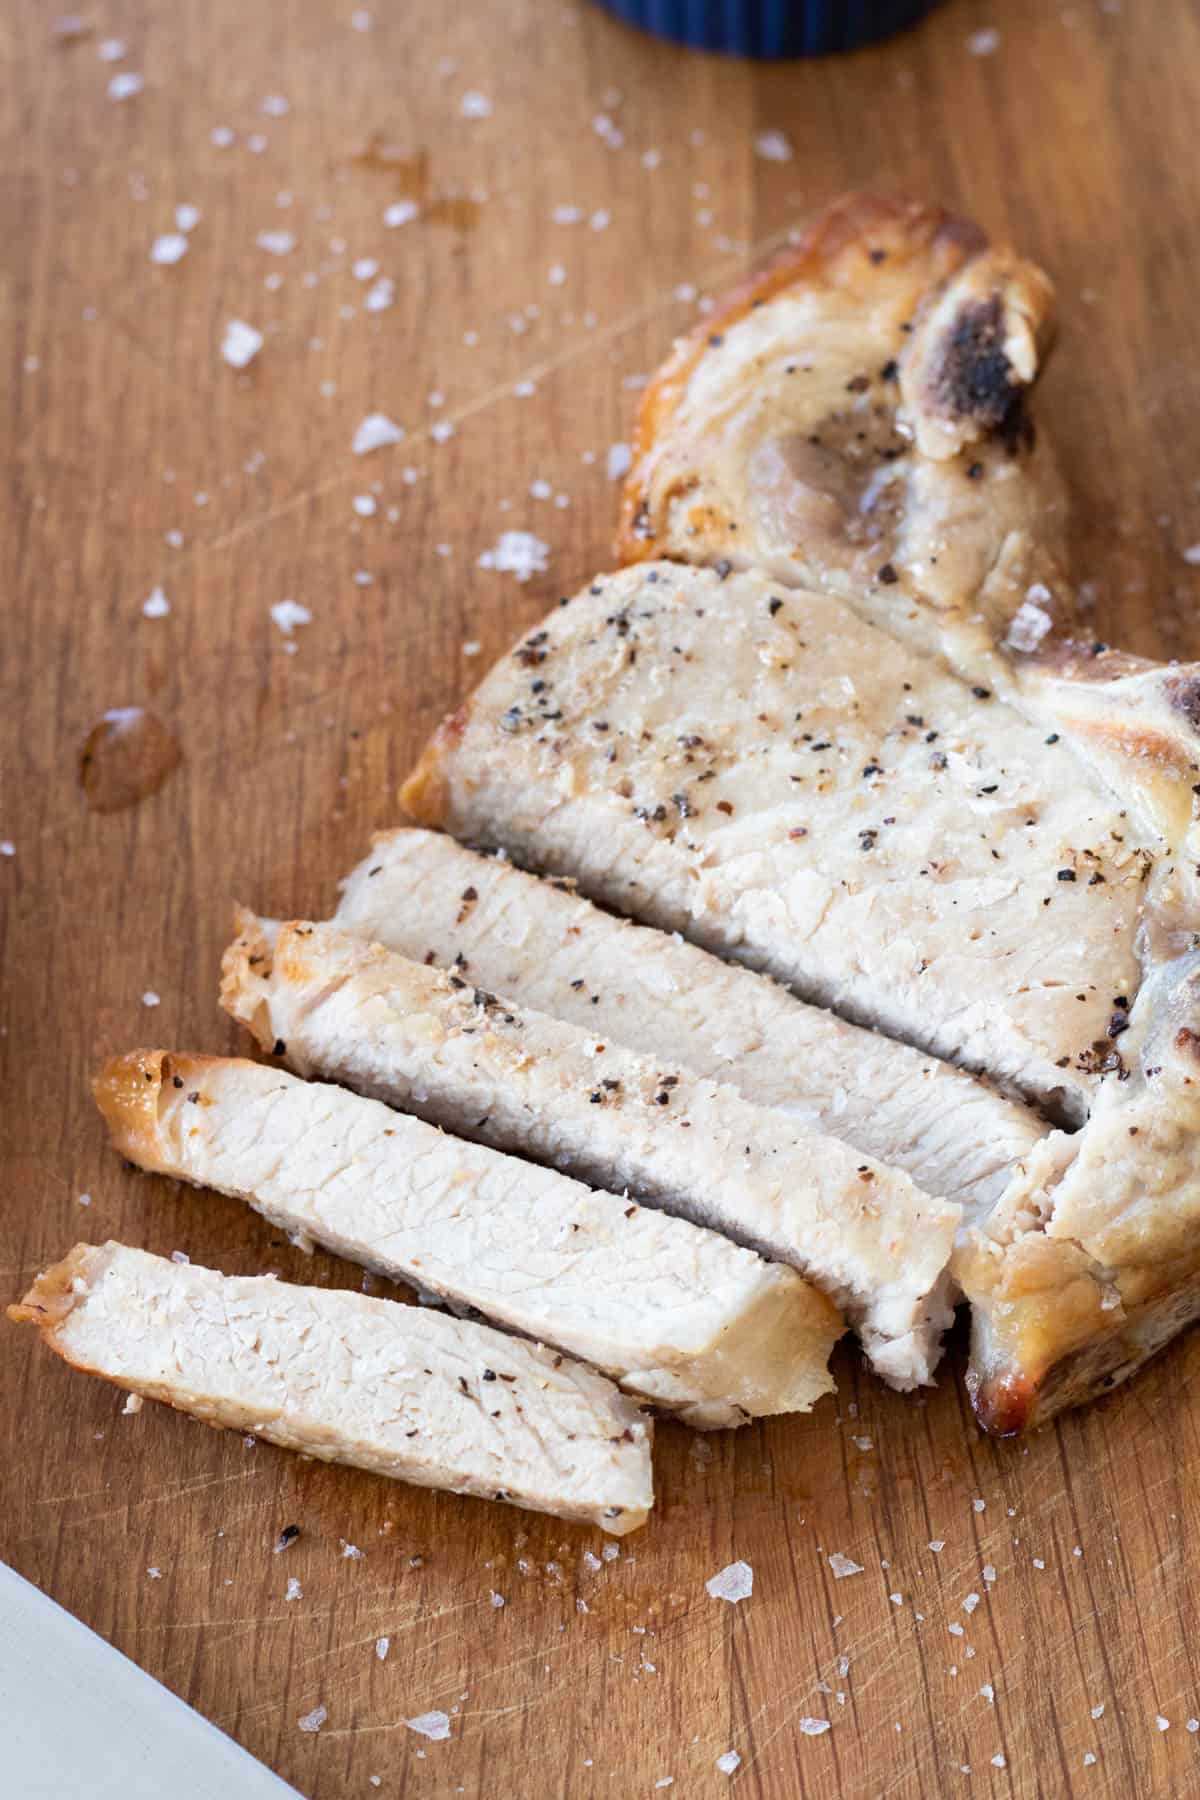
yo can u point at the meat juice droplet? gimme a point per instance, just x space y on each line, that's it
126 755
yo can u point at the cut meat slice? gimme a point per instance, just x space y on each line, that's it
782 783
398 1390
680 1316
542 943
461 1057
854 419
1092 1261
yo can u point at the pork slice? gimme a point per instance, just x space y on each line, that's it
1091 1262
855 418
678 1315
423 894
785 785
398 1390
462 1057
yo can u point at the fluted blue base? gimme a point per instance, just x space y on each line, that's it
771 28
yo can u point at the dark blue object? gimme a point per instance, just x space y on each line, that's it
771 28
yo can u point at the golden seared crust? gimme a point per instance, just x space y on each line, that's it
854 420
53 1295
248 959
129 1089
423 795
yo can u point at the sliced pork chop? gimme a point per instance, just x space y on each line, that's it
423 894
461 1057
774 778
678 1315
1092 1261
854 420
398 1390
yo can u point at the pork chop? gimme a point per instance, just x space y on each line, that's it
784 784
855 420
398 1390
423 894
479 1064
677 1315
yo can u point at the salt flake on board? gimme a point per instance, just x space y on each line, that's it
313 1721
733 1583
435 1725
241 343
813 1727
843 1566
374 432
517 553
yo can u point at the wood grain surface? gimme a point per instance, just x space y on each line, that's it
1024 1622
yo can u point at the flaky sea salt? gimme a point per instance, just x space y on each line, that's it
618 461
156 605
1192 555
111 49
150 998
999 1761
435 1725
168 248
813 1727
276 106
1098 1711
241 343
496 1600
985 42
1163 1724
843 1566
382 1646
733 1583
294 1590
125 85
187 217
287 614
475 105
773 146
313 1721
517 553
364 505
133 1402
970 1603
374 432
277 243
989 1693
400 212
728 1762
351 1551
380 295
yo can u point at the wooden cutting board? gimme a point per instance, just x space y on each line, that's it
1024 1619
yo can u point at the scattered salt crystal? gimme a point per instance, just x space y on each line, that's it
221 136
361 20
155 1574
374 432
728 1762
401 212
1098 1711
955 1630
1192 555
181 1257
241 343
979 1505
813 1727
442 432
1193 1725
773 146
540 490
472 647
989 1573
156 606
364 268
1030 623
517 553
380 295
556 275
276 106
1089 1757
382 1646
187 217
475 105
287 614
7 847
125 85
497 1600
294 1590
86 1200
1039 1562
989 1693
567 215
1163 1724
970 1603
665 1781
686 291
733 1583
525 390
278 243
896 1599
985 42
313 1720
364 505
651 159
600 220
150 998
133 1402
863 1443
168 248
351 1551
435 1725
999 1761
111 49
610 1552
842 1566
618 461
